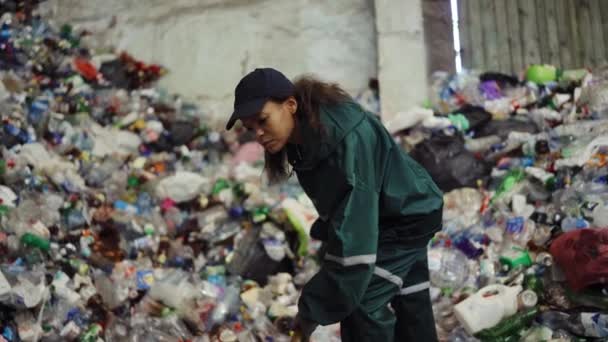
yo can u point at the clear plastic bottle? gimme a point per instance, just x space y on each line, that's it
460 335
448 267
227 306
600 216
112 292
482 144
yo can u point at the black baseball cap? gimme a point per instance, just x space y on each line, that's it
255 89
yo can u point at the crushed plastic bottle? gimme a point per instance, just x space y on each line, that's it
448 268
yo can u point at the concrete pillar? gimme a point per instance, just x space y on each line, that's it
402 62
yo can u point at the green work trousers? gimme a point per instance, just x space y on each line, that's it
397 304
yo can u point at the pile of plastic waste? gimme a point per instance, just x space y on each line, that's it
122 216
523 254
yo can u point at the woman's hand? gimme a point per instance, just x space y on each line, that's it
302 329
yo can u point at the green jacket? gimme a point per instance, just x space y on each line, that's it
367 192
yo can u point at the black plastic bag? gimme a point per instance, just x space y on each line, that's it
502 128
116 73
182 132
250 260
477 116
448 162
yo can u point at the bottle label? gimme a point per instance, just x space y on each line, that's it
145 279
515 225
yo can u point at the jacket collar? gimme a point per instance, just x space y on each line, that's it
336 122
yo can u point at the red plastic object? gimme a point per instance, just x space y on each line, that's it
86 69
583 256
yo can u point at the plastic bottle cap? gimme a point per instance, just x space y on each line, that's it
528 299
544 259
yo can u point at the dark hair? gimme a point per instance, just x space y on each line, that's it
310 94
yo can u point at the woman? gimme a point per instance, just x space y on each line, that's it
377 207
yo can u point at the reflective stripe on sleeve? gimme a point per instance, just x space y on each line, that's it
352 260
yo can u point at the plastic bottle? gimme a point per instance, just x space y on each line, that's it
534 283
32 240
460 335
508 327
570 223
515 257
600 216
228 305
527 299
512 163
538 333
75 219
542 74
92 334
260 214
173 219
482 144
512 178
448 268
126 207
173 289
546 178
112 293
588 324
487 307
465 245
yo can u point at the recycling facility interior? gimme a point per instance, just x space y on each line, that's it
127 212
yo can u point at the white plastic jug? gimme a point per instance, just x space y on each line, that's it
487 307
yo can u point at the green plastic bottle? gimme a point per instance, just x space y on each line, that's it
513 177
92 333
542 74
132 182
515 257
4 209
508 328
220 185
36 241
459 121
534 283
260 214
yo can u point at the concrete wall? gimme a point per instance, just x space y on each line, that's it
402 68
438 35
208 45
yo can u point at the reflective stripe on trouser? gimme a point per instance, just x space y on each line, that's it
401 280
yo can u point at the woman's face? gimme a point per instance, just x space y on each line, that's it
274 124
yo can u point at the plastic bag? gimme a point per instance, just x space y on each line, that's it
582 255
449 163
502 128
